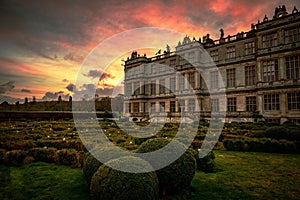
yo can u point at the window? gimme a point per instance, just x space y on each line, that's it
143 106
269 40
230 53
191 105
214 79
143 88
152 107
231 104
271 102
270 70
191 77
129 108
153 87
172 84
182 105
214 55
292 67
230 77
215 105
293 101
292 35
136 107
136 86
251 103
172 106
181 82
249 48
162 106
162 88
250 77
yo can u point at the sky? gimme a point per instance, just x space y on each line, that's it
44 44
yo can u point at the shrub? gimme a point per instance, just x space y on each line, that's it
43 154
91 164
2 156
258 134
28 160
69 157
276 132
108 183
15 157
179 174
205 164
263 145
234 145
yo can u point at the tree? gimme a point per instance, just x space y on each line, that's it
33 99
26 100
59 99
70 98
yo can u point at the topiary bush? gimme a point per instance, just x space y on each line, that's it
91 164
178 175
108 183
15 157
68 157
276 132
205 164
43 154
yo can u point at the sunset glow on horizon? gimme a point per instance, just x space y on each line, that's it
43 44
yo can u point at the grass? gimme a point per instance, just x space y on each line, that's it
250 176
241 175
42 181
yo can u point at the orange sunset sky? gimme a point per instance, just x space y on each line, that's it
43 43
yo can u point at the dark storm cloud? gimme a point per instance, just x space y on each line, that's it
99 74
71 87
9 86
50 96
26 90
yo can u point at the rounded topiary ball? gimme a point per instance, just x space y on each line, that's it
179 174
108 183
205 164
91 164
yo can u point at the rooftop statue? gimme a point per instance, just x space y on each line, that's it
168 49
222 33
295 10
280 11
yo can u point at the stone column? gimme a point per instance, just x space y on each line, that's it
177 81
259 71
186 105
186 82
196 79
260 104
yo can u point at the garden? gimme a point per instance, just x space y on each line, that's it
249 161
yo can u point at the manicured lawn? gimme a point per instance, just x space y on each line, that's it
42 181
240 175
244 175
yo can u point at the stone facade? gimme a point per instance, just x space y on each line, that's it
258 70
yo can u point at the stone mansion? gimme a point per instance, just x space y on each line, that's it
259 68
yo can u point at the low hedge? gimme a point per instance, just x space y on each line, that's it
263 145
